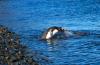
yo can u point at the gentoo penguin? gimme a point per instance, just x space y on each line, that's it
55 33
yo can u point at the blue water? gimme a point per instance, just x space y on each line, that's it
29 18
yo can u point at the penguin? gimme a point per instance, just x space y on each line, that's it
55 33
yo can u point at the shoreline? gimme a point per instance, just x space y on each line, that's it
11 51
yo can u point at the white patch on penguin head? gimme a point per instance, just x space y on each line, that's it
55 31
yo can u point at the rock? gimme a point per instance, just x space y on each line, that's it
11 51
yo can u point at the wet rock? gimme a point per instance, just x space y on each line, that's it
11 51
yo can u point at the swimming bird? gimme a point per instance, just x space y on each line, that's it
55 33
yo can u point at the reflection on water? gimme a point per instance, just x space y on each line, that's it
30 18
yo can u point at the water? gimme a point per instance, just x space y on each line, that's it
29 18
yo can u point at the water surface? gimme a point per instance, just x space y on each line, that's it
29 18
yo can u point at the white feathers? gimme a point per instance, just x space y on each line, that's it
51 33
55 31
48 36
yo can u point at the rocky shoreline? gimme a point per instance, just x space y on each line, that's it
11 51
